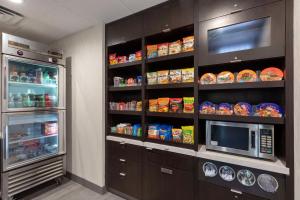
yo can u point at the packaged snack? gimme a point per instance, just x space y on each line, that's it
163 49
224 109
187 75
51 128
152 51
138 55
225 77
188 106
242 109
165 132
138 106
176 105
163 77
246 75
118 81
121 128
137 130
188 43
177 135
153 131
132 58
268 110
271 74
208 78
139 80
163 104
152 78
175 47
207 108
153 105
175 76
122 59
188 134
113 59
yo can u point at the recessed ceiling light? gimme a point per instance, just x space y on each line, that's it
16 1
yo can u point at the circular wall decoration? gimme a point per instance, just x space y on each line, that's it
268 183
246 177
210 169
227 173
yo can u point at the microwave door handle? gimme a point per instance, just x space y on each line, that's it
253 139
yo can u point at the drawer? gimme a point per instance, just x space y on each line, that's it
124 151
178 161
116 165
154 156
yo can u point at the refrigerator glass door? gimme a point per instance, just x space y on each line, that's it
29 137
31 85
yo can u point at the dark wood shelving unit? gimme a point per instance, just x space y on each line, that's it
251 85
171 57
127 88
247 119
170 143
128 64
171 115
170 86
117 112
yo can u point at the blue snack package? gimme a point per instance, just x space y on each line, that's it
224 109
207 107
165 132
268 110
137 130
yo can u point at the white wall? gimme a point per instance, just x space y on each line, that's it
297 95
87 51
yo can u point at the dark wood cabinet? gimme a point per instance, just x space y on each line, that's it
208 191
124 168
217 8
124 30
169 15
249 35
163 180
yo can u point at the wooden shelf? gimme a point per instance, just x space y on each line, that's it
171 143
127 88
171 57
117 112
171 115
170 86
250 119
125 136
252 85
128 64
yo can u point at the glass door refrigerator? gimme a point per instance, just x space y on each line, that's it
33 144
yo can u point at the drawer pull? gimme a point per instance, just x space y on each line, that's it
235 61
236 11
166 171
122 143
236 191
122 174
148 148
122 160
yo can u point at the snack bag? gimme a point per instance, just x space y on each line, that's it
246 75
175 47
131 58
138 106
165 132
177 135
176 105
122 59
163 77
153 105
207 108
138 55
187 75
268 110
188 104
113 59
153 131
152 51
242 109
271 74
163 104
188 43
152 78
224 109
137 130
188 134
208 78
175 76
225 77
163 49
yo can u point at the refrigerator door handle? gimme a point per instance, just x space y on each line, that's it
62 132
5 83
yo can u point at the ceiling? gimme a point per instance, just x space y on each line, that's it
50 20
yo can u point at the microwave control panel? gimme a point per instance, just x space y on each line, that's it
266 141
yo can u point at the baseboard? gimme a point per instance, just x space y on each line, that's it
86 183
121 194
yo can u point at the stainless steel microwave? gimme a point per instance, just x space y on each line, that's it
254 140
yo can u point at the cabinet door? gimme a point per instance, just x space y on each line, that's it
209 191
217 8
124 30
253 34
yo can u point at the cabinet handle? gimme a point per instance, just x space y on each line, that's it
122 174
149 149
236 11
122 143
236 191
122 160
235 61
166 171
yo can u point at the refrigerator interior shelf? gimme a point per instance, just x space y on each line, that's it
22 84
33 138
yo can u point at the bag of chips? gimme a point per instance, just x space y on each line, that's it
153 105
188 134
137 130
175 76
175 47
163 49
152 51
163 77
163 104
113 59
187 75
152 78
224 109
122 59
208 78
176 105
177 135
188 104
165 132
153 131
188 43
138 55
138 106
